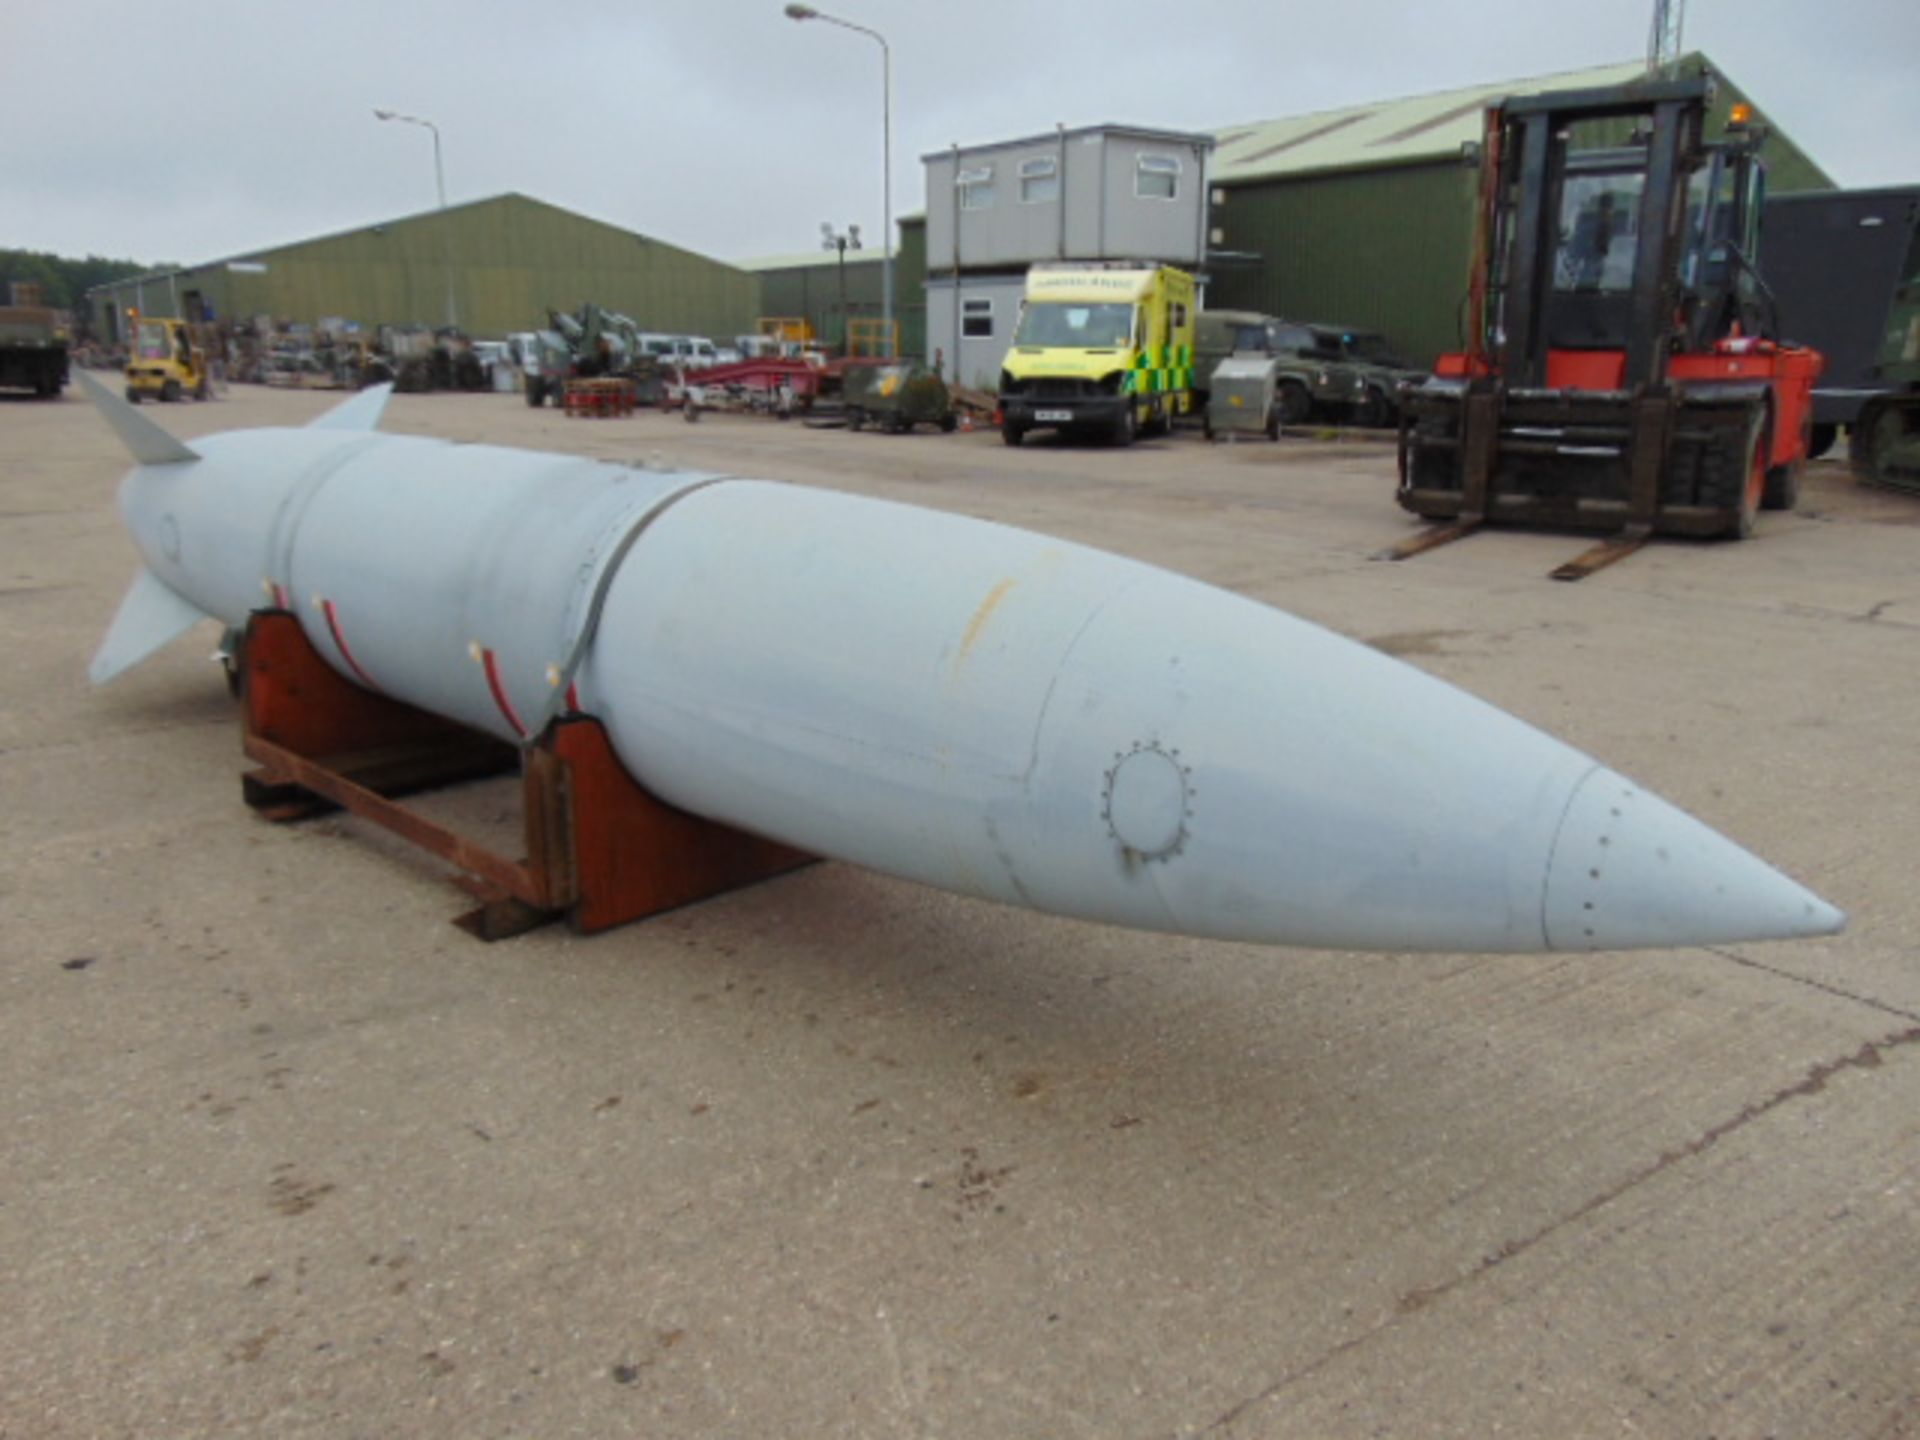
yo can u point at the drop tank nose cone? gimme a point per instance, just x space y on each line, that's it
1631 871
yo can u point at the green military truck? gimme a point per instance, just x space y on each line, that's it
1885 440
33 350
1378 373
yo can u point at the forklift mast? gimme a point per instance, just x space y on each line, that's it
1643 248
1622 368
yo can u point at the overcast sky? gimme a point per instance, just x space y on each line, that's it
197 131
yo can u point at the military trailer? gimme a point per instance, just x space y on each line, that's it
895 397
1312 382
1241 398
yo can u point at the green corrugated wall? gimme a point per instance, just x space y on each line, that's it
1382 249
910 286
812 292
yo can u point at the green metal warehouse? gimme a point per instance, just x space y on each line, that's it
1364 216
810 287
511 258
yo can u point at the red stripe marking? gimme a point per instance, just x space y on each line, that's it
340 643
573 698
492 668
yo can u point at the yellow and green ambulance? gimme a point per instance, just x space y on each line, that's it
1102 349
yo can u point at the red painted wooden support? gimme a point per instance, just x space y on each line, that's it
600 849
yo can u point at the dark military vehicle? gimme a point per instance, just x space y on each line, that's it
1311 382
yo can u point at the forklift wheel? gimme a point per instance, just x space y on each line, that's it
1747 501
170 392
1783 487
133 396
204 390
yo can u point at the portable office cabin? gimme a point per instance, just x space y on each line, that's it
970 320
1107 192
1104 192
1364 215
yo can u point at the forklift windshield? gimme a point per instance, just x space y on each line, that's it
152 342
1599 227
1598 222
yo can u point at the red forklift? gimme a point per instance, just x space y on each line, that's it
1623 369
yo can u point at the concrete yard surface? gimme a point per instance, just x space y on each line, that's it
287 1154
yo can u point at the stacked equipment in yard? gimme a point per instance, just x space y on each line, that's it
33 350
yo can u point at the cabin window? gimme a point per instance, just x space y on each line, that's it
976 188
1156 177
1039 180
976 319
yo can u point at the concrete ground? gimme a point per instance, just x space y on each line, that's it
286 1154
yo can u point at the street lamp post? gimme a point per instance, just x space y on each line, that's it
841 241
440 183
807 12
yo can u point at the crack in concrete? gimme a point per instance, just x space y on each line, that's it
1813 984
1869 1056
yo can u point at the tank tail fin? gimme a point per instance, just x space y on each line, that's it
152 614
362 412
147 442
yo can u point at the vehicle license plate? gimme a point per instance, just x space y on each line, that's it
1052 417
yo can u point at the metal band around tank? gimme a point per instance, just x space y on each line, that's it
284 531
560 678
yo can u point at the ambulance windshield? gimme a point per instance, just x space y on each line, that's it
1068 325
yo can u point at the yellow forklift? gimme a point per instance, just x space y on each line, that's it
166 361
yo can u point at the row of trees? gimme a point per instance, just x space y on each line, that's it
63 280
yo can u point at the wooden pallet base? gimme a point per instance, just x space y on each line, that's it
600 850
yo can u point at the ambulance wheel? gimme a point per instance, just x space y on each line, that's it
1012 434
1126 427
1206 426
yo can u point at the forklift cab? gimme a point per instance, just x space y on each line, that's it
1597 251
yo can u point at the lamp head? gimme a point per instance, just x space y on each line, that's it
802 12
